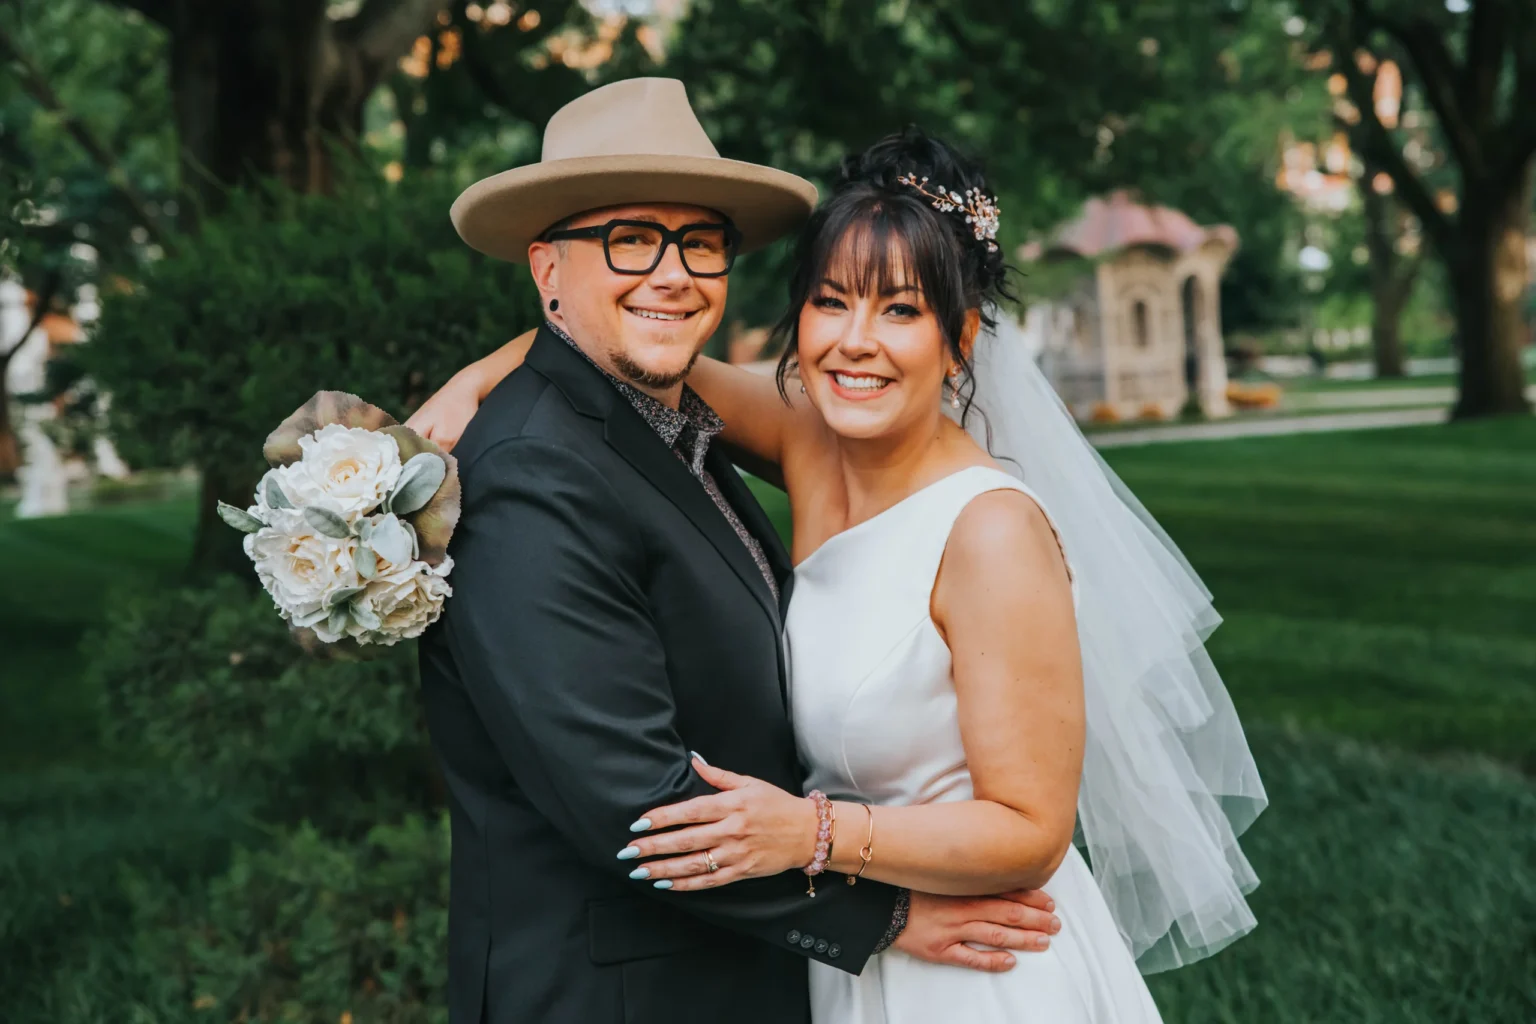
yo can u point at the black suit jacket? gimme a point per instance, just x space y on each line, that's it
605 621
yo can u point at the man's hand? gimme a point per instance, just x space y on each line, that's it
938 928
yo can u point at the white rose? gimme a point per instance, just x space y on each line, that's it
301 568
405 601
348 470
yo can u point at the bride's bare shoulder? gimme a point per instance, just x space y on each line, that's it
1005 537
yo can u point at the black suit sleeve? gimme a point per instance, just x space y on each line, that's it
557 648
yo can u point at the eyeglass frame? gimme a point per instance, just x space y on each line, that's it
669 236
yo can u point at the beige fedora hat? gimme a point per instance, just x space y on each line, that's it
636 141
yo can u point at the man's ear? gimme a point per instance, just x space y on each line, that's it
969 331
544 262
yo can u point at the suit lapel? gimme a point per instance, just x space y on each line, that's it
634 439
640 446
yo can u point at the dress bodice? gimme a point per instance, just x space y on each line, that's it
871 690
872 696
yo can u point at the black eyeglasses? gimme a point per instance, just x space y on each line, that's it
637 246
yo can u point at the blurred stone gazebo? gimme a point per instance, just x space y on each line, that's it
1133 328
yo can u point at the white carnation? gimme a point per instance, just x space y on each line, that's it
301 568
406 599
348 470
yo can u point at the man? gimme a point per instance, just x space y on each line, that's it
618 603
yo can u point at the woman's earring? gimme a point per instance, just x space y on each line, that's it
802 389
554 304
954 390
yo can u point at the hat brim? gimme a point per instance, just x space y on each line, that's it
504 214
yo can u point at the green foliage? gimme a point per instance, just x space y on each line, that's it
209 682
1061 100
67 837
280 296
487 92
105 66
308 928
260 830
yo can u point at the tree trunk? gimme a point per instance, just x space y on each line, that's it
1386 338
1488 281
261 91
1388 292
10 450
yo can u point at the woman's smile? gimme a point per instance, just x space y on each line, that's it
857 386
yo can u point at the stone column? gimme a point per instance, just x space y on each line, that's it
1213 359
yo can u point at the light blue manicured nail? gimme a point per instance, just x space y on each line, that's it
665 883
629 853
640 873
642 825
698 755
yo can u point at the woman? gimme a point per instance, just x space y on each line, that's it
972 680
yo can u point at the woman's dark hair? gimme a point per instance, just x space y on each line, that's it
884 233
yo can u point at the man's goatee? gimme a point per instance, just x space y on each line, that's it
636 374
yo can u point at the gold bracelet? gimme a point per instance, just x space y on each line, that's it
832 839
867 851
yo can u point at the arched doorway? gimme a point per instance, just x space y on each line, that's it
1190 302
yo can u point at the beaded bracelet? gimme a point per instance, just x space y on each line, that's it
826 825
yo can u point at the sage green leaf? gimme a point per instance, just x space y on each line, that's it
342 595
239 518
419 480
367 563
273 494
311 618
337 623
434 522
327 523
326 407
365 530
391 540
415 538
366 617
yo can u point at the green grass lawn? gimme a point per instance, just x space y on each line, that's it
63 572
1379 584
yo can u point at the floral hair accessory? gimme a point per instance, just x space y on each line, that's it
980 210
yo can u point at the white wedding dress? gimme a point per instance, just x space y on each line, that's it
874 708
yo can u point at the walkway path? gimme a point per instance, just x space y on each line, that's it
1376 398
1223 429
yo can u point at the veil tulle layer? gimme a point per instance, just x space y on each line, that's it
1168 781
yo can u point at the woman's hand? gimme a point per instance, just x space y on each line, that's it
443 417
750 829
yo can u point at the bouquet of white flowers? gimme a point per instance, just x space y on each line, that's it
349 530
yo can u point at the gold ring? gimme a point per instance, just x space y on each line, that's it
709 859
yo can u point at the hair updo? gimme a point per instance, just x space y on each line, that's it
883 233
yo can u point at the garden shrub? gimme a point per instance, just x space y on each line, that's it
283 295
308 929
208 682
